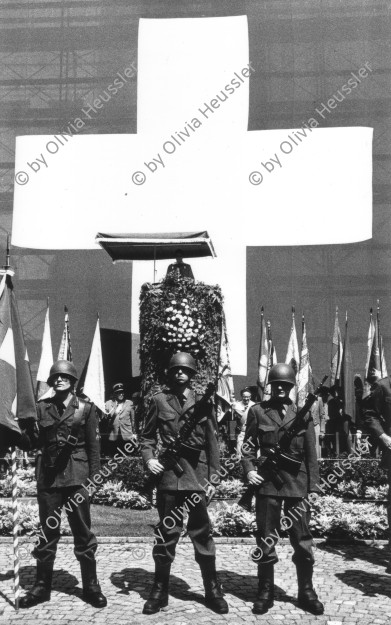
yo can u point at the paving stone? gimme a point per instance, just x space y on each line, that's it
351 582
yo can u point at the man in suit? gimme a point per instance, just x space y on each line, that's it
120 416
179 269
67 432
199 462
376 417
241 409
266 424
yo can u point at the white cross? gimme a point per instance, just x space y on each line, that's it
201 181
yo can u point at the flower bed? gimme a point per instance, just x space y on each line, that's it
28 519
330 517
26 484
114 494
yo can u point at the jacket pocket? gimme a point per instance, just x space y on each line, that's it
267 434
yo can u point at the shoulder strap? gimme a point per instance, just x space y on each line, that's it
77 419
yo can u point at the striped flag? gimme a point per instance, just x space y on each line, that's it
292 355
94 383
225 393
336 353
17 393
263 358
304 378
17 396
65 351
46 359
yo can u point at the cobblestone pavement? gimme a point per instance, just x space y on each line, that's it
351 580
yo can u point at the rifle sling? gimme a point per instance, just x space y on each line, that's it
298 424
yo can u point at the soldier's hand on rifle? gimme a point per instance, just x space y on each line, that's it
154 466
254 478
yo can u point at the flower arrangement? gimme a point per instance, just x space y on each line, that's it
182 315
183 326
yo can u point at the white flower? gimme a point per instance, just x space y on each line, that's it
173 302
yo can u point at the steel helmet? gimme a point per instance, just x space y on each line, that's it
62 366
183 359
282 373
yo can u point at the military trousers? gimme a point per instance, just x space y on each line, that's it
171 507
296 521
75 500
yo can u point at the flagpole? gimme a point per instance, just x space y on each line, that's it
14 500
15 531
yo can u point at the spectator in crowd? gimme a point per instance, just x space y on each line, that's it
241 409
339 424
120 420
320 415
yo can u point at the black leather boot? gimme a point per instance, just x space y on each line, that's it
214 598
265 596
307 597
91 589
158 597
40 592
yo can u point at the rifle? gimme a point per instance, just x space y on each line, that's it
278 457
177 447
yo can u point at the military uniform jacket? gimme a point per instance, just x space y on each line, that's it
165 417
122 422
376 414
265 428
52 432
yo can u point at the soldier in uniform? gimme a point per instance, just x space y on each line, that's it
199 462
376 417
266 423
68 435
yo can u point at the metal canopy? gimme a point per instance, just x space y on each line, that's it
155 246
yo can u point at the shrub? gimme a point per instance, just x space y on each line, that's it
28 519
25 481
229 488
113 493
330 517
231 520
131 473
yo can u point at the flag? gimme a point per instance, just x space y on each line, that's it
336 353
271 359
46 359
347 387
376 367
263 358
304 379
383 360
292 356
17 394
371 334
94 384
65 351
374 364
225 394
